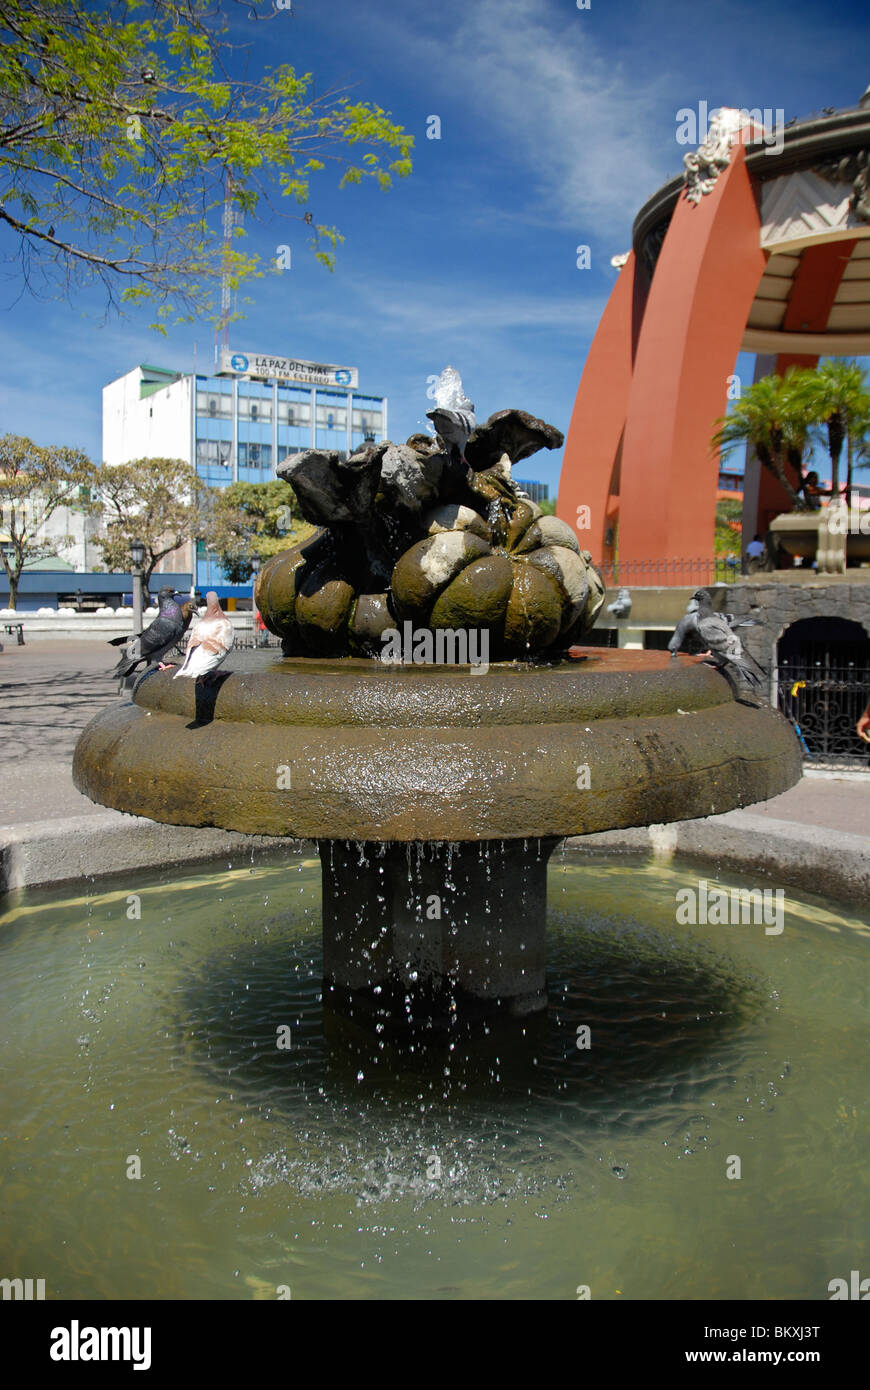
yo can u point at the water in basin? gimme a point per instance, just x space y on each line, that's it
513 1164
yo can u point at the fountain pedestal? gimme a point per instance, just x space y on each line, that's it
428 933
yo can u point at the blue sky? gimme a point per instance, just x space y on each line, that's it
556 125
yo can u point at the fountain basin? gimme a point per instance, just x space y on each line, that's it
314 1165
437 796
352 749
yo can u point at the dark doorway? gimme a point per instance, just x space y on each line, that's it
823 684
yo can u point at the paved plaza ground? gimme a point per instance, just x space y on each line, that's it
49 691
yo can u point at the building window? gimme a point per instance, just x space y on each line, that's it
213 453
214 405
330 418
368 421
255 407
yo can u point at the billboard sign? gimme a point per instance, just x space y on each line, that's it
286 369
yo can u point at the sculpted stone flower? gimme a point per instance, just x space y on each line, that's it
433 535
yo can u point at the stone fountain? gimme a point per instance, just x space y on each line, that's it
426 725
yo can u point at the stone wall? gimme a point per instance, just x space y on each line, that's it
776 604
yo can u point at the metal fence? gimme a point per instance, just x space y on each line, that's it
824 696
248 636
671 573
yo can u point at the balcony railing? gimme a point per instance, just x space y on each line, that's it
670 573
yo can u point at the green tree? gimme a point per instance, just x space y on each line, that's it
162 502
254 519
835 396
728 533
34 482
773 416
123 128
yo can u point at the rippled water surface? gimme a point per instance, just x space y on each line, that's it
512 1165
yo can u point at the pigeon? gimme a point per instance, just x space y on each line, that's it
621 605
209 642
159 637
453 416
723 647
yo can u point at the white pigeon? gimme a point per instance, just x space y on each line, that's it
209 642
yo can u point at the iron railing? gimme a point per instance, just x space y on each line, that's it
670 573
249 635
824 697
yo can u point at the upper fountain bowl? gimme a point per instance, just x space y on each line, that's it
353 749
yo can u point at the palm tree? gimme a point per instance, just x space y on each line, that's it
771 415
835 397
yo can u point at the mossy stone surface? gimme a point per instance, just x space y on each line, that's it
477 598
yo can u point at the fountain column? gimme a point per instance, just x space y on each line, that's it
428 932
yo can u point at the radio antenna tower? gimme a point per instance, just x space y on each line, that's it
222 342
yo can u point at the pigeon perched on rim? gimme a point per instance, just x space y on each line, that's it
209 642
164 633
723 648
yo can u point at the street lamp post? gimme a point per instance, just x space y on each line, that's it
137 557
255 570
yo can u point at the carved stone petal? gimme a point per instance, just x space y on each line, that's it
511 432
410 480
331 490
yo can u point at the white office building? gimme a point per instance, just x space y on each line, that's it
238 424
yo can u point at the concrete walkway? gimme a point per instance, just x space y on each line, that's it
48 693
49 832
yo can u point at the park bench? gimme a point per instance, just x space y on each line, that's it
15 629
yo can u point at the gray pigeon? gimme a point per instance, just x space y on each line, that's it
164 633
722 647
453 416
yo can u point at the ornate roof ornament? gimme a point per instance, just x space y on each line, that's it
705 164
852 168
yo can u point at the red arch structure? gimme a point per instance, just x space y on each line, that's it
773 256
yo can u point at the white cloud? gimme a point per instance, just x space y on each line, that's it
536 78
575 116
454 308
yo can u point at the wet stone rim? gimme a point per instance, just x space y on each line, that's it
400 769
349 691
